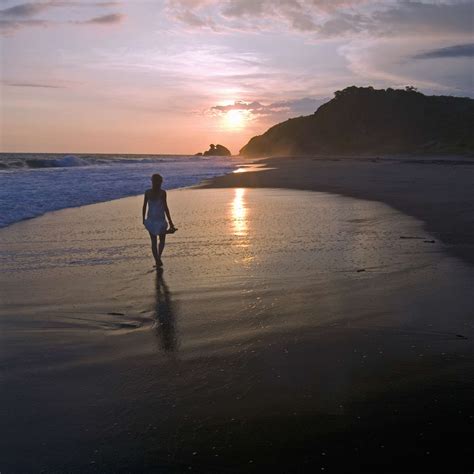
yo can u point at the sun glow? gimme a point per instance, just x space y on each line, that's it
235 119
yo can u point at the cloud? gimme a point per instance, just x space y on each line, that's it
25 10
280 109
329 18
457 51
238 8
377 39
9 26
103 20
425 18
374 63
21 16
32 84
195 21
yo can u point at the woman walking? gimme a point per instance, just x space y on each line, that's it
155 221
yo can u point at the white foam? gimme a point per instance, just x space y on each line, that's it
69 161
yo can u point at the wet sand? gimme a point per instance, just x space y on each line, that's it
438 190
290 331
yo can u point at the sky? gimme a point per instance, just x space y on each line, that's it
173 76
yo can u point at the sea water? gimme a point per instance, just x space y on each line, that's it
33 184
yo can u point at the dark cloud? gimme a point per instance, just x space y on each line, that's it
328 18
195 21
255 107
245 7
457 51
32 84
237 8
286 108
240 14
342 24
420 18
103 20
19 16
25 10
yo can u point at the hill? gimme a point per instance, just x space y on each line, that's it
366 120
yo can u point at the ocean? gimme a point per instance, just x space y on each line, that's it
33 184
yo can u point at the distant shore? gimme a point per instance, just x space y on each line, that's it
436 190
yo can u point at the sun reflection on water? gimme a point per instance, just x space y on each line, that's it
239 213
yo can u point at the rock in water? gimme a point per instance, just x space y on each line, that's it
217 150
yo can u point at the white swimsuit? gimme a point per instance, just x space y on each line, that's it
155 221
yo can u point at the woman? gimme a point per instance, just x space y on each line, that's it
155 221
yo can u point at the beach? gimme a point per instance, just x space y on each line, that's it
311 316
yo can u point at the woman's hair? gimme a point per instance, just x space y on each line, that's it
156 181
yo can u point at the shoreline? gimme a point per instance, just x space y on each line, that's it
438 192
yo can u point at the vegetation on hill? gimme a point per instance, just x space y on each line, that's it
366 120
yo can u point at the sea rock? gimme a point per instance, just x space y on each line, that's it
217 150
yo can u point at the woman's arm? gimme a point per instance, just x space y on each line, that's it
145 202
167 211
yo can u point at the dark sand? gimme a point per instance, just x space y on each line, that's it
290 331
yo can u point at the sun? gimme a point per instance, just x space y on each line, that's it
235 119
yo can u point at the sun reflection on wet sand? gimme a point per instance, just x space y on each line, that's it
239 213
253 167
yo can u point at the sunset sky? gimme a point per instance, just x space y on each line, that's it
172 76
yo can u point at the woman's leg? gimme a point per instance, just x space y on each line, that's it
153 247
162 244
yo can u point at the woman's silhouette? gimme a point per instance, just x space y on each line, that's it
155 222
165 317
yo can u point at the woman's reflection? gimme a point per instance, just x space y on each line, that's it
165 315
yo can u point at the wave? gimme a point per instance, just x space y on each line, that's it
68 161
65 162
73 161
